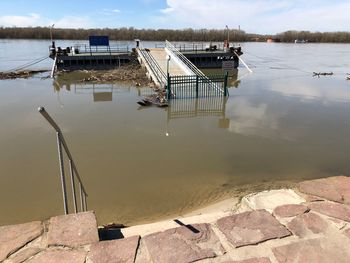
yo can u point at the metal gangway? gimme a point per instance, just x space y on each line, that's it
168 68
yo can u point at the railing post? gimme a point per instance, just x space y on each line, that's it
81 198
168 87
73 186
197 85
225 84
63 180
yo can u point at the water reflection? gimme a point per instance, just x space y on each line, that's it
201 107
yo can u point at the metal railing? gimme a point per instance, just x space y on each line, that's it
84 49
61 143
190 66
154 66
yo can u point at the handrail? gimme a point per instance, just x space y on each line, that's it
187 63
73 169
152 63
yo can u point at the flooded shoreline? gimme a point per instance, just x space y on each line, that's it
279 124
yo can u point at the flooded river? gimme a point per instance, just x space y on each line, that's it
140 164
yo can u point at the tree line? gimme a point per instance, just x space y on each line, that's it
189 34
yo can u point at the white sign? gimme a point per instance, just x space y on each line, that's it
228 65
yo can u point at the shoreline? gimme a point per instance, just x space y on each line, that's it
267 226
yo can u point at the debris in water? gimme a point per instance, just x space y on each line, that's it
157 99
20 74
318 74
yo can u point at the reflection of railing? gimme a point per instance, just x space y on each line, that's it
73 169
153 65
211 106
195 86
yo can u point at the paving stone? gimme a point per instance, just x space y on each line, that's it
269 200
290 210
58 256
331 209
24 254
303 224
347 232
333 188
253 260
321 250
122 250
73 230
183 244
14 237
251 228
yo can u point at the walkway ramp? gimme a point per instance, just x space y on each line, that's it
170 69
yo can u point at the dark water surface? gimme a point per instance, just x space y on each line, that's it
280 123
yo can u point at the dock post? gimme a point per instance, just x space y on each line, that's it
168 87
197 84
225 83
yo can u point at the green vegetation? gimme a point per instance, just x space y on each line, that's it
169 34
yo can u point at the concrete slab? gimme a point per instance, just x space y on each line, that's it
269 200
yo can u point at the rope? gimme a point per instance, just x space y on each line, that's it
27 64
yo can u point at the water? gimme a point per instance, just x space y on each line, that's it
138 165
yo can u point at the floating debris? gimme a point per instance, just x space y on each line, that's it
126 73
318 74
157 99
20 74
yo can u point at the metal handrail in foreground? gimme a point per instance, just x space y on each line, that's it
73 169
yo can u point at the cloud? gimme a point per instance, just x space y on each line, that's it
261 16
73 22
33 20
20 21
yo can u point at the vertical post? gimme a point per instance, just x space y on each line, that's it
63 180
197 83
73 186
225 84
81 197
168 87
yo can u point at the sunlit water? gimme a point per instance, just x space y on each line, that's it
141 164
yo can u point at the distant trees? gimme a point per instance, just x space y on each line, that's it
188 34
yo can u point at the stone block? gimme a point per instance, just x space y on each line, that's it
14 237
251 228
73 230
183 244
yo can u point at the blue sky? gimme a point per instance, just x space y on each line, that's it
260 16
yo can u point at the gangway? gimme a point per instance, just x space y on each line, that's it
171 70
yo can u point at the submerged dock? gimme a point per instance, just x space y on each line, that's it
175 69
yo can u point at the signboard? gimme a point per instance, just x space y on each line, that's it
228 65
99 40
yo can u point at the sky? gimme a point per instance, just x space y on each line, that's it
253 16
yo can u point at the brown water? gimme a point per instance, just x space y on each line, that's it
279 124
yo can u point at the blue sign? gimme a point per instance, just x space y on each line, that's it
99 40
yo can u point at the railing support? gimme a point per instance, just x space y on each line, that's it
63 180
225 84
197 85
168 87
62 145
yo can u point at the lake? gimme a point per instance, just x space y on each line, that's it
279 125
